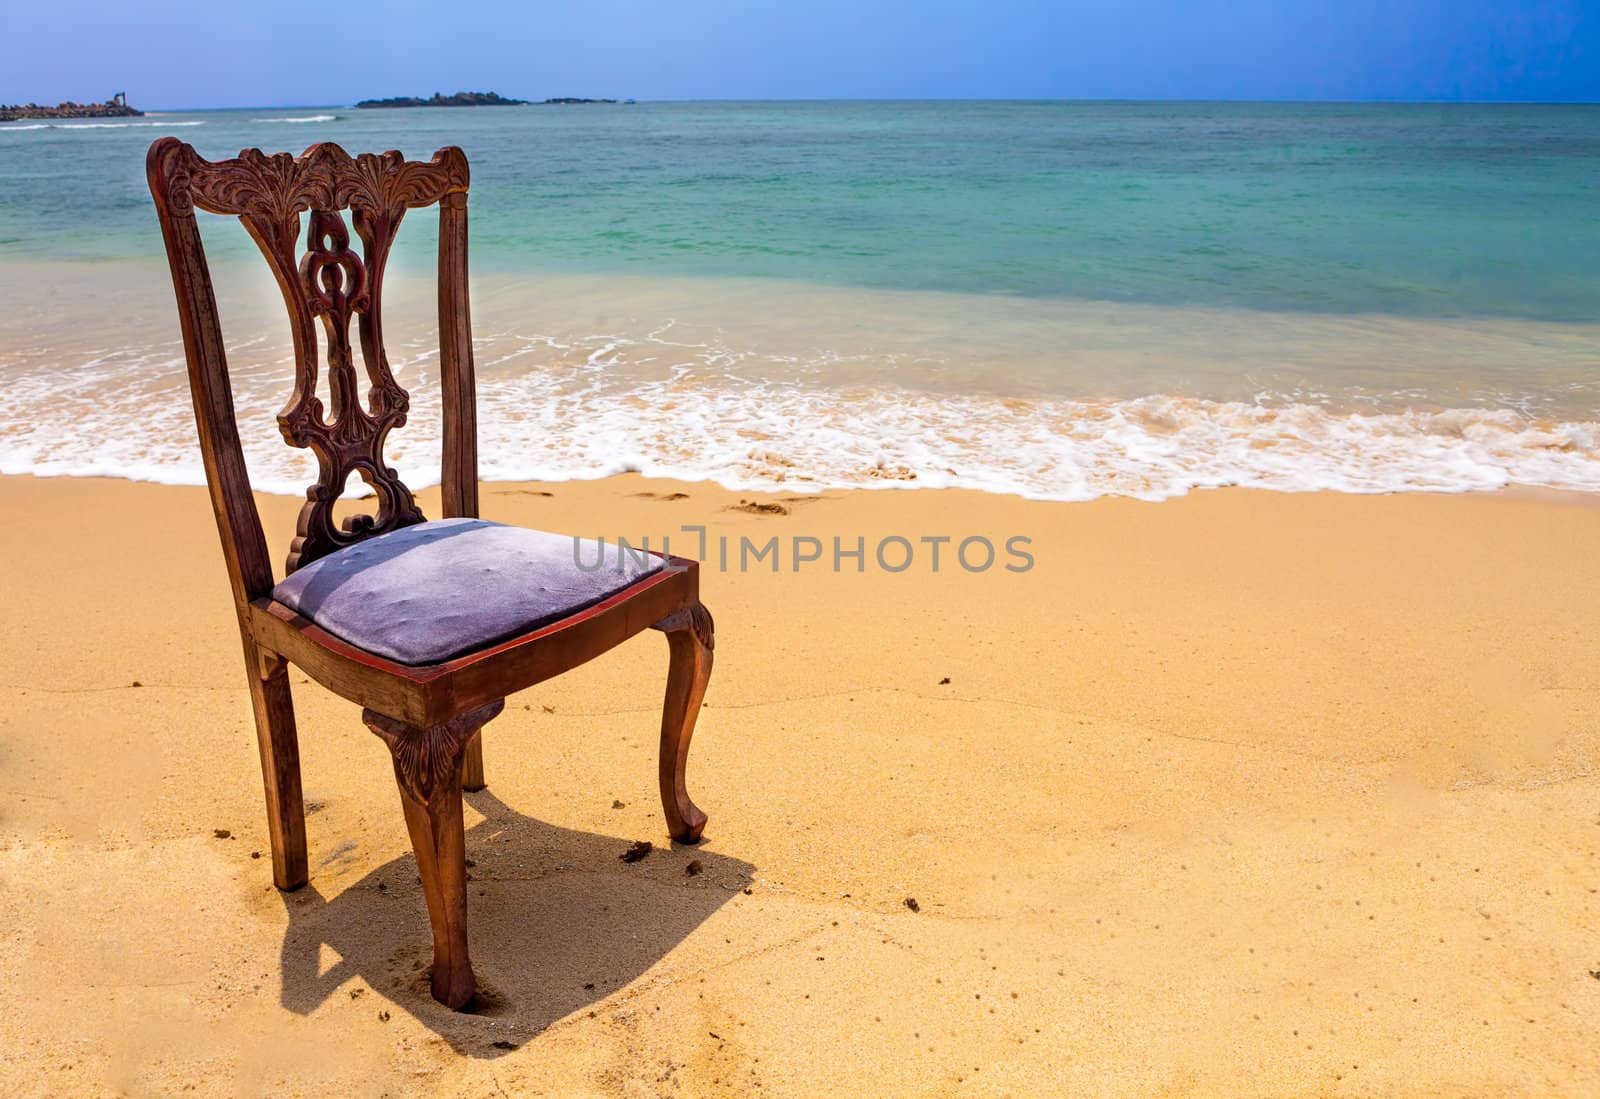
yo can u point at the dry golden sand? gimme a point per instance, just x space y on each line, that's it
1239 794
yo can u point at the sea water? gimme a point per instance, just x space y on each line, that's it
1062 300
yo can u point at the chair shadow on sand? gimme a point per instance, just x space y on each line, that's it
557 923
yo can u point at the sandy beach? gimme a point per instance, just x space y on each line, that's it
1237 794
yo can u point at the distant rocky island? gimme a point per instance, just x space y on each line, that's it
465 99
460 99
115 107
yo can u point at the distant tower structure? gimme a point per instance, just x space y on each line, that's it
119 100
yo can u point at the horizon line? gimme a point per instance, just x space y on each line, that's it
1303 101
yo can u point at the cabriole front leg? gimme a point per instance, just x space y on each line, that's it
690 638
427 767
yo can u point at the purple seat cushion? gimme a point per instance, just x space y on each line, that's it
429 592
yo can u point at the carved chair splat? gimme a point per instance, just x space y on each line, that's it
427 680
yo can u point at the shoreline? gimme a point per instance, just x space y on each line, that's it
357 493
1244 792
777 386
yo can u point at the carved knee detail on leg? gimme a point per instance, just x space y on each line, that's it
422 755
694 618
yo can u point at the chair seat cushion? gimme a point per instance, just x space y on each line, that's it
432 591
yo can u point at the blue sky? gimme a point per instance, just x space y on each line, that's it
210 53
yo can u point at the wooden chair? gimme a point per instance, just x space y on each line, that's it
428 626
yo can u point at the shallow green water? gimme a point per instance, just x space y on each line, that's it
1435 209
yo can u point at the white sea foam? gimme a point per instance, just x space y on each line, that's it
304 118
35 125
567 409
1151 448
763 388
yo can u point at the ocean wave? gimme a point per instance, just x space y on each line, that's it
305 118
94 125
1151 448
572 420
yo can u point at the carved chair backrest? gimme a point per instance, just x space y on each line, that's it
324 281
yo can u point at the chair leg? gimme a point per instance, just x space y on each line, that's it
690 638
280 765
472 764
427 767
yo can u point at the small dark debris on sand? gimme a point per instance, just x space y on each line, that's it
639 850
548 709
255 854
470 864
1595 973
756 507
715 1035
618 803
382 888
136 683
945 682
589 987
695 867
357 993
383 1016
503 1044
911 903
222 833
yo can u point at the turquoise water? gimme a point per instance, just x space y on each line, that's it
1419 209
1395 296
